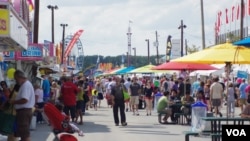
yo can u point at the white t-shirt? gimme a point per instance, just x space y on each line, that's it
216 90
39 93
26 91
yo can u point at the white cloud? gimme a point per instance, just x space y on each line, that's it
105 22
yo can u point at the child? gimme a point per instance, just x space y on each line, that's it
95 99
73 126
201 96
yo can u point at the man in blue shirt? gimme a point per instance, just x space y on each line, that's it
195 87
243 97
46 88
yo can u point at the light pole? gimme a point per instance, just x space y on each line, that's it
52 21
182 26
157 45
134 55
202 26
63 36
147 40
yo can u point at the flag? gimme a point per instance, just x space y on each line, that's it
226 15
72 43
233 13
216 29
248 7
219 19
31 5
238 12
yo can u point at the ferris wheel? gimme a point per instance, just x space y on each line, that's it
76 56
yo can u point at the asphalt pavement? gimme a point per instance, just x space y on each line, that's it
99 126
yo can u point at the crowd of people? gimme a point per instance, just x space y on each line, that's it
77 94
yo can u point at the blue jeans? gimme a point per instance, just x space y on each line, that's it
39 114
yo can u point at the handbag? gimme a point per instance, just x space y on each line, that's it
126 95
7 123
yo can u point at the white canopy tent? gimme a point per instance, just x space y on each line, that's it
209 72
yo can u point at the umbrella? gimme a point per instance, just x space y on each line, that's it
184 65
110 72
146 69
243 42
219 54
125 70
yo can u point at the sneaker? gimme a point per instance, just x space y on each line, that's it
116 124
126 109
124 124
137 114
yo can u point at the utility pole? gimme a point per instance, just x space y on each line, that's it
157 45
242 19
182 26
202 26
36 21
52 21
147 40
63 42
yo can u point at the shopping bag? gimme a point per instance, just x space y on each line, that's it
7 123
126 95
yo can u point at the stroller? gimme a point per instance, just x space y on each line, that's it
59 123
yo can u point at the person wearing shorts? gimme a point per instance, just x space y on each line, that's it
24 102
243 95
134 99
79 102
216 97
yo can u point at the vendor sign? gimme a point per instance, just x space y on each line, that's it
33 53
242 74
4 22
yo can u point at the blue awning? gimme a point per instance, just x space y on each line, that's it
125 70
244 42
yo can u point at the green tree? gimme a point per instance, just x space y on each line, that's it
232 37
192 49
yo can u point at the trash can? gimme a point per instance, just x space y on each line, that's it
157 96
199 110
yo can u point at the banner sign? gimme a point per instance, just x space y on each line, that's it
49 46
33 53
72 43
4 22
9 55
242 74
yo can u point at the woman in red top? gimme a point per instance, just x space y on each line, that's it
148 92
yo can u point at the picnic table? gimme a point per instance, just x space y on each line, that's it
178 115
216 124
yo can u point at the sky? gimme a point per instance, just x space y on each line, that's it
105 23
